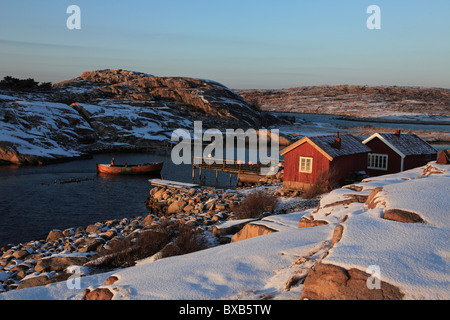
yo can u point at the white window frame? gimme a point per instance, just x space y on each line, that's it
378 161
306 169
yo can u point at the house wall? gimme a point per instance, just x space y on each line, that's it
418 161
394 160
293 178
343 165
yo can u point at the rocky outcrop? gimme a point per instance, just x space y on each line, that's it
112 110
331 282
189 96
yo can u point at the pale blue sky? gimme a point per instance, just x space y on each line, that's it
242 44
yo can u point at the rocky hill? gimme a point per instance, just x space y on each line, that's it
112 110
354 101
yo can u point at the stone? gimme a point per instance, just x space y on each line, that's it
97 294
176 206
111 280
20 254
250 231
54 235
337 234
92 228
33 282
443 157
371 201
188 209
402 216
58 263
91 244
331 282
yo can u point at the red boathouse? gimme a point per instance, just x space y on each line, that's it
396 152
308 158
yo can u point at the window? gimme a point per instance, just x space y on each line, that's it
377 161
305 164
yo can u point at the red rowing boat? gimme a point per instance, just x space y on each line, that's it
146 168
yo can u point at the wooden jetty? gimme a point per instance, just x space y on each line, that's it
240 168
173 184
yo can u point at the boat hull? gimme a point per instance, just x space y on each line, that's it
151 168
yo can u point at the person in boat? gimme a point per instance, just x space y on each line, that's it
113 162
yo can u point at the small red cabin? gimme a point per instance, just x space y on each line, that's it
308 158
396 152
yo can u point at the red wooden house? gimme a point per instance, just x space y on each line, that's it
308 158
396 152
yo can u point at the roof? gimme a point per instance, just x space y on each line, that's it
325 144
404 144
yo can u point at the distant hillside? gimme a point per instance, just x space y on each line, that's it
355 101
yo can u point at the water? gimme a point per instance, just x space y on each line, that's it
31 204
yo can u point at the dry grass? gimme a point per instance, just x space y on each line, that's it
326 181
255 204
187 240
168 239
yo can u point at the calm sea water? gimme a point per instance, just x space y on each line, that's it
32 201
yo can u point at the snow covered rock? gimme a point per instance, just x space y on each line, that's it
112 110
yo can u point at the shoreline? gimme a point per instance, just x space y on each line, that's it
207 211
20 263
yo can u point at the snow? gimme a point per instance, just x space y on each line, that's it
414 257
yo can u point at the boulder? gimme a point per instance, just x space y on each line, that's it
91 244
58 263
54 235
20 254
92 228
111 280
33 281
250 231
402 216
331 282
443 157
98 294
176 206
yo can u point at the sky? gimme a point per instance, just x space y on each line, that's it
246 44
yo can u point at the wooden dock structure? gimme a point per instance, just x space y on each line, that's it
173 184
231 167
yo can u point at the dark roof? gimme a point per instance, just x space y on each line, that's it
404 143
349 145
